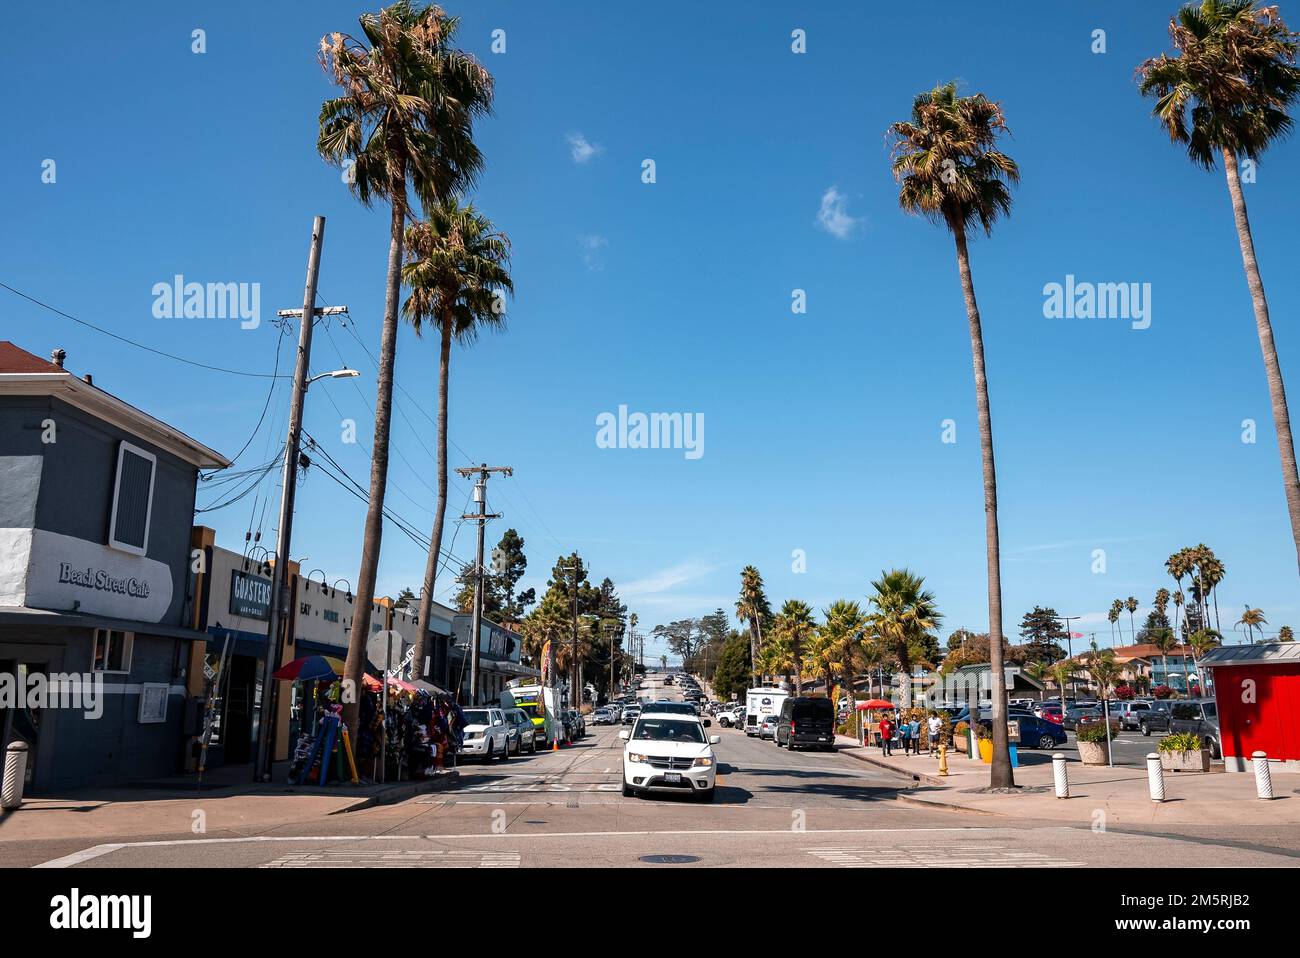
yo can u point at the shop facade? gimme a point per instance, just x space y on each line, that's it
499 660
96 636
1257 699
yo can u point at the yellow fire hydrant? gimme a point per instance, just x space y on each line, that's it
943 759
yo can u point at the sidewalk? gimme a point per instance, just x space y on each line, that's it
1121 793
167 806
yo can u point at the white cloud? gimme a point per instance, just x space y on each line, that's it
834 216
592 247
665 580
582 149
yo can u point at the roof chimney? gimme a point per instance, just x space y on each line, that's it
57 357
89 381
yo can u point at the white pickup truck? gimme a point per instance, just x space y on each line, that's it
731 715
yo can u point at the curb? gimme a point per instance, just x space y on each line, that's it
946 806
914 776
393 794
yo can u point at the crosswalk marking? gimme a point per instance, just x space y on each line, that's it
936 856
381 858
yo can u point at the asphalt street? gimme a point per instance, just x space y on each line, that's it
773 808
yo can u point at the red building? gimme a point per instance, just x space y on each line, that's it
1257 694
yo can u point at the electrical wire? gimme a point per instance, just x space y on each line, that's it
138 345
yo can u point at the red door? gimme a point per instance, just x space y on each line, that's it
1259 710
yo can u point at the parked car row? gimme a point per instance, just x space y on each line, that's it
497 733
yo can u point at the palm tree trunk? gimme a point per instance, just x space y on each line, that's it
1273 370
373 533
1000 774
440 513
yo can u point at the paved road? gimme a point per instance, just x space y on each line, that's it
773 808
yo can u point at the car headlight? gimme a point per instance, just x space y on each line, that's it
703 762
636 758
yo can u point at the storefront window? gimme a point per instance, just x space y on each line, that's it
112 650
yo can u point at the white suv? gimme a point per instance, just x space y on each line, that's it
667 752
486 734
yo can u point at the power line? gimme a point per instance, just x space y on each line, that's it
139 345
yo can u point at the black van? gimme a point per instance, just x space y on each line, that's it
806 722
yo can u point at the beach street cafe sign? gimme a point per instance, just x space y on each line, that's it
69 574
250 596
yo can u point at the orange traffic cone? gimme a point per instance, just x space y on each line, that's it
555 745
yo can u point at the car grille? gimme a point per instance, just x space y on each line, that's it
675 764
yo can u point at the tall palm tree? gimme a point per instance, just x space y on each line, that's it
796 627
1234 73
1165 642
1201 641
403 125
836 645
1113 615
904 612
946 161
752 607
1253 619
1178 565
1131 603
458 271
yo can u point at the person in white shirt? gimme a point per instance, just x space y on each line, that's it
935 725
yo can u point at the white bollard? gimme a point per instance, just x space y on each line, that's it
1155 777
15 773
1263 776
1061 776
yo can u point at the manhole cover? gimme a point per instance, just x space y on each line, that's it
669 859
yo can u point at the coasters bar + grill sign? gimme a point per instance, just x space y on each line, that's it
250 596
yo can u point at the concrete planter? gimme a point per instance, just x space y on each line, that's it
1094 753
1198 761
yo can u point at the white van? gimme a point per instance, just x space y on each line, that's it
761 703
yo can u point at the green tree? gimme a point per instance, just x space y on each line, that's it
753 607
403 125
796 628
1253 619
731 677
903 611
458 271
1042 631
1234 77
946 161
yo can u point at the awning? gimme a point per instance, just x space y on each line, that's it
1265 653
44 618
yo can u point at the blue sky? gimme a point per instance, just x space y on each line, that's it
822 429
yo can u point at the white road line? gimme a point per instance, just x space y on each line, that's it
99 850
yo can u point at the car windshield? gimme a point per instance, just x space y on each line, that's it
673 708
529 708
477 717
1209 710
668 730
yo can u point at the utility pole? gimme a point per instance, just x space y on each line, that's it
279 612
481 517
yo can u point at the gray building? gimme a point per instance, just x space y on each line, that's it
96 511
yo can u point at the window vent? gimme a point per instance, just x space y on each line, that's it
132 499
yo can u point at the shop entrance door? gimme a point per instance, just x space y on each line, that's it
18 723
237 728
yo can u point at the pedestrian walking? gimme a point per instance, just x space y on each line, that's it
886 734
914 733
934 725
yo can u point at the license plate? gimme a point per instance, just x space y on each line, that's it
672 778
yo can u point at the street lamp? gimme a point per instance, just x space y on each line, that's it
343 373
